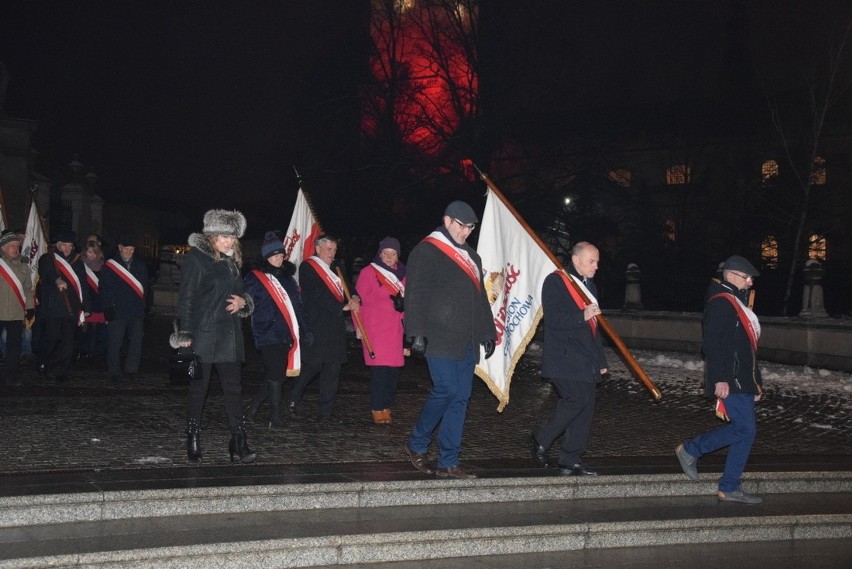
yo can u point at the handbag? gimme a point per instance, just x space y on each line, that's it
184 365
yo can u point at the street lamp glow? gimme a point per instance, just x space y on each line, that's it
567 201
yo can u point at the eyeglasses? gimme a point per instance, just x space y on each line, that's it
743 276
469 226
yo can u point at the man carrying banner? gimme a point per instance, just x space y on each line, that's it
16 301
448 316
64 302
572 359
731 332
325 307
123 283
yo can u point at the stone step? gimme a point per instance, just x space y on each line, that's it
368 522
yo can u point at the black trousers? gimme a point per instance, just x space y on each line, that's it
572 417
329 375
230 377
14 335
58 342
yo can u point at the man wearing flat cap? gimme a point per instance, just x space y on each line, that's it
64 303
124 283
448 316
16 301
731 333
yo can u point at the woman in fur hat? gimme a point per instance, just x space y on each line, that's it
210 304
277 324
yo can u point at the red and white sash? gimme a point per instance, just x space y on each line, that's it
282 300
14 282
64 269
459 256
331 280
578 300
388 280
92 279
127 277
747 317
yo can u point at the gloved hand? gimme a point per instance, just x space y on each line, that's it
418 346
398 302
109 314
489 348
307 339
29 314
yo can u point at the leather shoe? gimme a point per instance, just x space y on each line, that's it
738 496
539 453
291 408
576 470
418 461
454 472
687 463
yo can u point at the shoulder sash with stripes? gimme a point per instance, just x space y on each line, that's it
330 280
126 276
578 300
282 300
92 279
14 282
64 268
388 280
747 317
459 256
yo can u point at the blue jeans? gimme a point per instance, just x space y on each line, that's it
452 382
738 436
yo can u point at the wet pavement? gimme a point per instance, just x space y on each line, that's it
90 424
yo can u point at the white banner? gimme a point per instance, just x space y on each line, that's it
35 243
302 231
515 268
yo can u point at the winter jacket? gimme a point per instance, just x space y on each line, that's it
381 321
728 356
206 286
326 318
442 304
118 299
570 350
10 306
52 300
267 323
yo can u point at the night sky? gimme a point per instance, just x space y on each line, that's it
212 103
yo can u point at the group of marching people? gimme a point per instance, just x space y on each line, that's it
298 328
79 304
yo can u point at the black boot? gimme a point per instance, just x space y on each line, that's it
193 441
239 446
255 404
274 390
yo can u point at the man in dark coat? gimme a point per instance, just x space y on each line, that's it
326 309
572 360
731 333
123 284
64 302
448 316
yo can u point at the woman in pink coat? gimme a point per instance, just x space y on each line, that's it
381 286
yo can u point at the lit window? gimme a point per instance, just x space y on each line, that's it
678 174
670 232
620 176
817 247
769 170
769 252
818 174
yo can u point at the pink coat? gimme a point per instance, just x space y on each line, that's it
382 323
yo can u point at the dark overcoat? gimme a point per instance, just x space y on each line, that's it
326 318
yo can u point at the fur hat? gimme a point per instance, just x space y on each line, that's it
389 243
66 236
741 264
272 245
461 211
9 237
224 222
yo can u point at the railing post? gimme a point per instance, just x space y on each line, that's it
632 289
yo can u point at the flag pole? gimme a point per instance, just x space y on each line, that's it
355 316
613 335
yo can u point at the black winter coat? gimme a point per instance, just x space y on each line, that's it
326 318
267 323
442 304
52 301
117 296
206 285
728 356
570 350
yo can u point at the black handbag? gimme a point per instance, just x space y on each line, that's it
184 365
